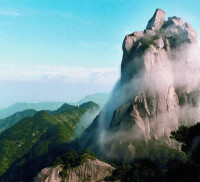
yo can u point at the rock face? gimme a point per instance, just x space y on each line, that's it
158 89
50 174
156 22
91 171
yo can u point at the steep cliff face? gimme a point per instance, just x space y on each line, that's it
153 63
50 174
91 171
158 89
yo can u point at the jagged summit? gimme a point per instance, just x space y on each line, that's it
158 90
154 63
90 170
156 22
159 35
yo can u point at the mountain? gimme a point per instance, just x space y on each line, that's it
33 142
89 169
17 107
99 98
11 120
84 166
158 91
63 108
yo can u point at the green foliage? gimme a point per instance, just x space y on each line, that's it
189 137
31 143
12 120
152 163
140 171
150 170
181 135
162 153
148 40
73 158
65 107
158 151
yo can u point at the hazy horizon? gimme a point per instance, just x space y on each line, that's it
63 51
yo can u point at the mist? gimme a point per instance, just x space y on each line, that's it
174 79
86 120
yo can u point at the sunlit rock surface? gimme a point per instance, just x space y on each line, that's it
90 171
158 90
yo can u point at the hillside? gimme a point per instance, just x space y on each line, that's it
13 119
76 167
28 145
99 98
63 108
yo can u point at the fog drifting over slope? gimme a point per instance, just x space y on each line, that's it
158 89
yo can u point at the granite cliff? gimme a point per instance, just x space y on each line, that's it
158 90
90 170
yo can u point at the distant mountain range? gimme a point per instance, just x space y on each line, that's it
13 119
17 107
32 141
99 98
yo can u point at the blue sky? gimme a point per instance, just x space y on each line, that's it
65 49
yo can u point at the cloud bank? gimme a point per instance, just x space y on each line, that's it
52 83
77 75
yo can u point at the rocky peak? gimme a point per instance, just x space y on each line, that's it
179 30
147 103
150 63
156 22
159 36
90 170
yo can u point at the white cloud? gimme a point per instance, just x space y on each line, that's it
105 76
9 13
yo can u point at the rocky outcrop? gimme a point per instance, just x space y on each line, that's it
50 174
90 171
156 22
151 62
158 89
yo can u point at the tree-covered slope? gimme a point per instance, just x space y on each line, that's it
11 120
63 108
28 145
